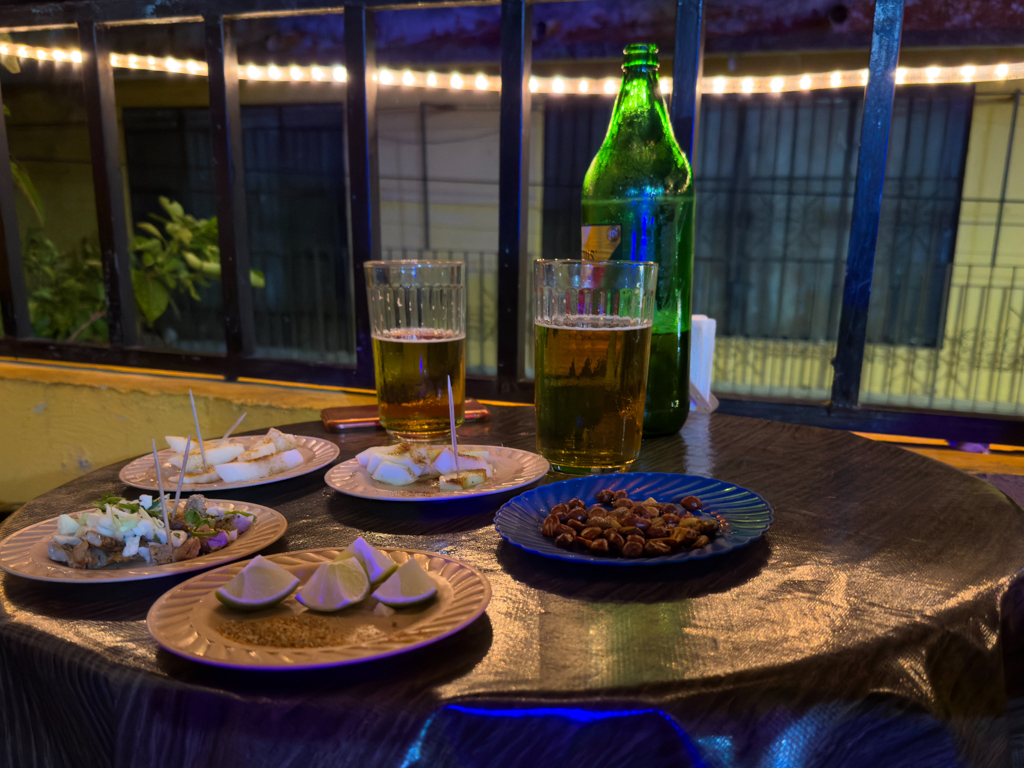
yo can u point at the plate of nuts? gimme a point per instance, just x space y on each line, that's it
646 518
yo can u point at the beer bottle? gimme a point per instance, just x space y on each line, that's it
638 204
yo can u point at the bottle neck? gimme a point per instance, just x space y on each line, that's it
639 107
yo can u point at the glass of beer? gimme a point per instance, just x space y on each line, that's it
593 324
418 328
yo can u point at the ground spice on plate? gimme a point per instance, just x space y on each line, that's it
305 630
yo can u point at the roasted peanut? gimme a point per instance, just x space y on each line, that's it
632 549
668 541
701 541
573 503
629 530
630 520
641 511
685 536
585 543
562 528
689 522
708 527
605 497
565 541
590 533
597 511
668 509
655 533
670 518
655 548
614 539
636 539
599 546
622 504
562 510
691 503
599 522
576 525
549 526
620 495
579 513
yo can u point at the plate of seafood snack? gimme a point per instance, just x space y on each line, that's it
118 539
634 519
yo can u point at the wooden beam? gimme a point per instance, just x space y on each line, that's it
363 172
111 212
229 176
513 189
13 290
867 202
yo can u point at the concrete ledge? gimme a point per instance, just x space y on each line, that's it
61 421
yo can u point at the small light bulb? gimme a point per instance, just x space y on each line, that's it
932 74
340 74
386 77
835 79
76 56
253 72
864 74
114 60
59 55
968 72
273 72
610 86
296 73
584 86
317 74
481 83
718 85
151 61
901 75
776 84
4 50
432 80
192 67
172 64
558 85
534 84
805 83
747 85
456 82
665 86
22 51
41 54
408 78
133 61
1002 71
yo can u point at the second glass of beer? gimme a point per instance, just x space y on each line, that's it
418 326
593 339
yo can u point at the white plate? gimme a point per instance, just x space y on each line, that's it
187 619
24 553
316 452
513 469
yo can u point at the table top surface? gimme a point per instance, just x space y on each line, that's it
881 574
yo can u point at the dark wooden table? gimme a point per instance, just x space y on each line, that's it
862 629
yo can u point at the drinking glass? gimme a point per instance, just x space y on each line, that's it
418 328
593 339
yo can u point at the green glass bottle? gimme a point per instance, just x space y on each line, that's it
638 204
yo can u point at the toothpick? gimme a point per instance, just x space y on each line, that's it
160 485
181 480
451 418
233 427
199 433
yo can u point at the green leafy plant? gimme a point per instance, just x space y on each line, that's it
65 290
182 258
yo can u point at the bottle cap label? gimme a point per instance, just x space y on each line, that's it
601 241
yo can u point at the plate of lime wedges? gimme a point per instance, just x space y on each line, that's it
318 608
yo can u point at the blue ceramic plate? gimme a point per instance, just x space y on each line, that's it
743 514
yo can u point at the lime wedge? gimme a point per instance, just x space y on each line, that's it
377 565
260 584
409 585
334 586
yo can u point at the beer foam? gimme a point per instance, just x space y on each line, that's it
594 322
418 335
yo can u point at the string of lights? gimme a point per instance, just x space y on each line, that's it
556 85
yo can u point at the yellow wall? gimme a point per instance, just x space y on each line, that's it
61 422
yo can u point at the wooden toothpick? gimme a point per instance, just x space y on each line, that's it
451 418
199 433
160 485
